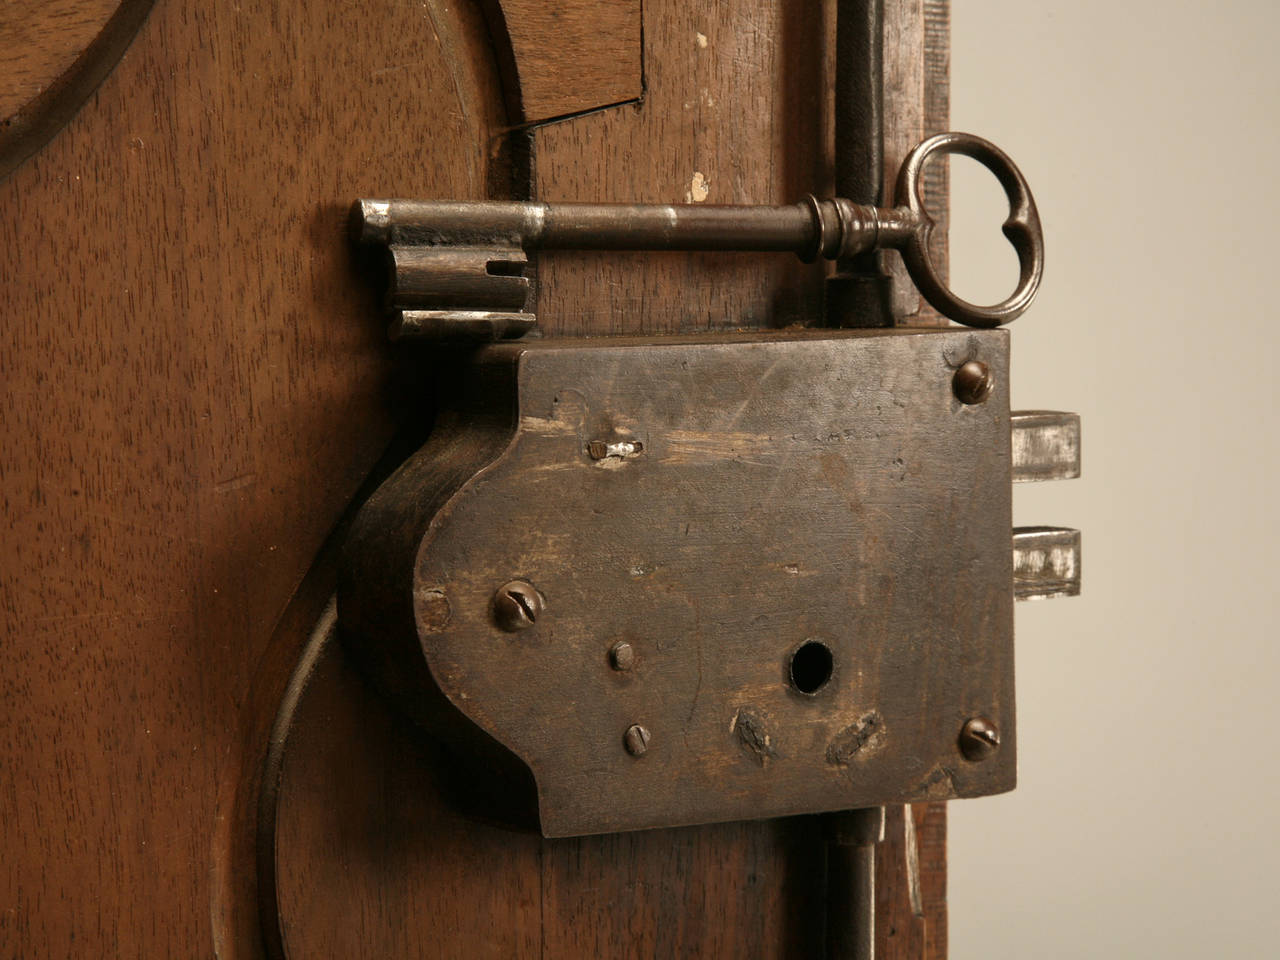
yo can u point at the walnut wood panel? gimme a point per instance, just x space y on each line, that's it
52 55
197 384
733 113
378 863
40 40
739 95
567 57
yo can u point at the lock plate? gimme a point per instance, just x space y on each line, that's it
803 539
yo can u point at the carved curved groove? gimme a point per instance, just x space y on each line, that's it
538 44
34 122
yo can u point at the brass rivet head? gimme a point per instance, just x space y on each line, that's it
622 656
517 605
636 740
973 382
979 739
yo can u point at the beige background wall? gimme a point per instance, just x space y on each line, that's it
1145 822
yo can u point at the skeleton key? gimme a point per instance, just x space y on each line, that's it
469 257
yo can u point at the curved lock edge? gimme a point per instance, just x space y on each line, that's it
377 610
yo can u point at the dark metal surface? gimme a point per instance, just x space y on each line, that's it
791 490
859 294
851 882
859 101
487 277
838 229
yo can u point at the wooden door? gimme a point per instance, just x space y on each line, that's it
197 384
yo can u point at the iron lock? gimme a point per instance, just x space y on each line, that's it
638 583
642 583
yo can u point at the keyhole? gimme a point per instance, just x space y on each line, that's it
811 667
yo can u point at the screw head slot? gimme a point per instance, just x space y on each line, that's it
636 739
973 382
979 739
517 605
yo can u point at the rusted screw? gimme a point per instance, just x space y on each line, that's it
517 605
973 382
979 739
622 656
636 740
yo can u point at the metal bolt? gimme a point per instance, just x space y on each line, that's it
597 449
622 656
517 605
973 382
979 739
636 740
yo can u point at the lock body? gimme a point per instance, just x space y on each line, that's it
755 576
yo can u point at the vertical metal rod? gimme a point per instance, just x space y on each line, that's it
858 295
859 120
851 882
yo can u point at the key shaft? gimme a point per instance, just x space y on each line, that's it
837 229
829 228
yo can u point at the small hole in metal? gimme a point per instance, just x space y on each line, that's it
504 268
811 667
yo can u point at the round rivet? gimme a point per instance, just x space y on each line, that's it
973 382
636 740
517 605
979 739
622 656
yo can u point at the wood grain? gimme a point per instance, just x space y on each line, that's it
365 828
197 383
568 57
53 53
921 47
40 40
734 98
